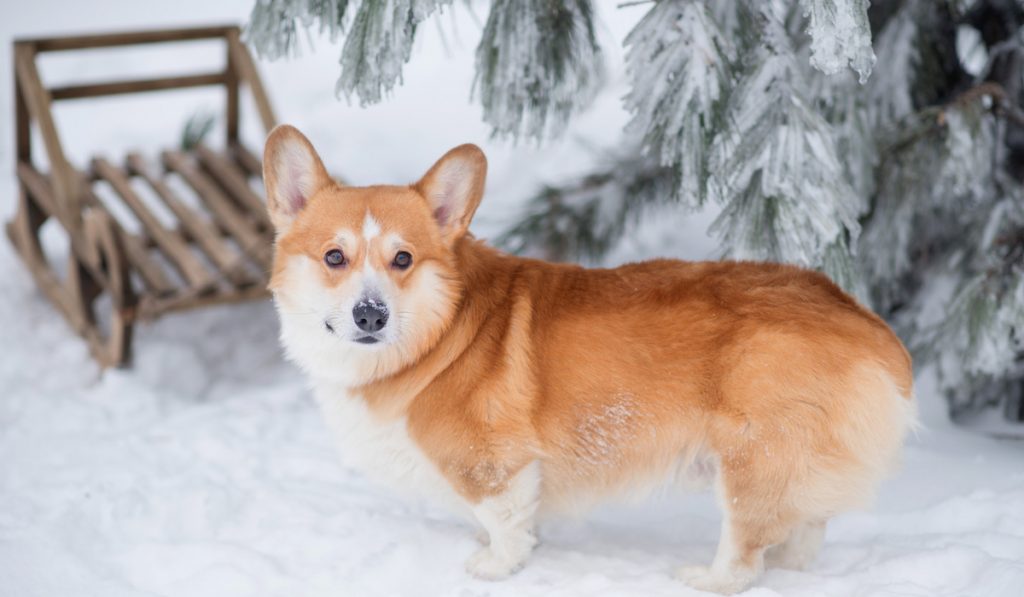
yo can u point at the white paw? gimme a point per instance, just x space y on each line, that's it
486 564
703 578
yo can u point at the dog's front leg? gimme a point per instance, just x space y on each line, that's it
508 519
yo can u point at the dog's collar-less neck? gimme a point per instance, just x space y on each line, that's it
485 277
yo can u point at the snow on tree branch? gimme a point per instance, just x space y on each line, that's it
776 168
377 44
587 216
273 24
980 338
840 36
538 61
679 66
941 167
891 89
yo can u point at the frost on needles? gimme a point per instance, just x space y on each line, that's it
378 39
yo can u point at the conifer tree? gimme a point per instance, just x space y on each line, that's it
881 143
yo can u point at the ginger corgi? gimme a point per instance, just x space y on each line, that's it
513 387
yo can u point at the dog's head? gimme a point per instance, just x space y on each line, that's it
364 278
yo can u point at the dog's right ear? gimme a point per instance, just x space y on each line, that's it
292 174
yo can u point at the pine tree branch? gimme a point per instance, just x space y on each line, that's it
1001 106
933 118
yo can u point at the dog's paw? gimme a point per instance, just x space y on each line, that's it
486 564
703 578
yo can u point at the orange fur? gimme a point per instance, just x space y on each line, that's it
616 379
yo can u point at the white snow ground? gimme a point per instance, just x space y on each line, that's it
205 469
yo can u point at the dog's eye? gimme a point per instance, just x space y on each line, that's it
334 258
402 260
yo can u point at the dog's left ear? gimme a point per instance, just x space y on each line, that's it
453 188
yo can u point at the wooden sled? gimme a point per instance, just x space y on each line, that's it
217 252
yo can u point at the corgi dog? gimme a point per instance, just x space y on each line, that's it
513 387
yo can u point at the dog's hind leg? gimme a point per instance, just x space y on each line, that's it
755 516
509 519
740 556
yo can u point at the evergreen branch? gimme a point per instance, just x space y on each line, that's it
273 24
679 63
929 120
840 36
378 45
584 218
779 175
1002 105
538 61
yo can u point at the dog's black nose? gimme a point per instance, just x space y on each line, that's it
370 315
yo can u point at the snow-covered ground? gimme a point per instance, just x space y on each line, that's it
205 469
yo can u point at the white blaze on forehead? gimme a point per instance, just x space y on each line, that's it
371 228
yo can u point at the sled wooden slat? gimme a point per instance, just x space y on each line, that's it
241 59
37 187
214 248
129 38
37 101
242 229
172 245
245 158
233 180
159 306
136 251
230 263
137 86
46 279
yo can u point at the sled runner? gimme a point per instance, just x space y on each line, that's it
138 266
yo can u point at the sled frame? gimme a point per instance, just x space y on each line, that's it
218 250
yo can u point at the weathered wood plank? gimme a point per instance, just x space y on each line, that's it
44 276
137 86
23 126
116 344
174 248
136 253
37 102
234 182
129 38
74 298
251 164
40 189
239 295
246 68
231 103
203 232
248 237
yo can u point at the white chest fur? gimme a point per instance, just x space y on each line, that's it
383 451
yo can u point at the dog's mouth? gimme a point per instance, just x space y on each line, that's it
361 340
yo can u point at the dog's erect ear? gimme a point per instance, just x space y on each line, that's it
292 173
453 187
